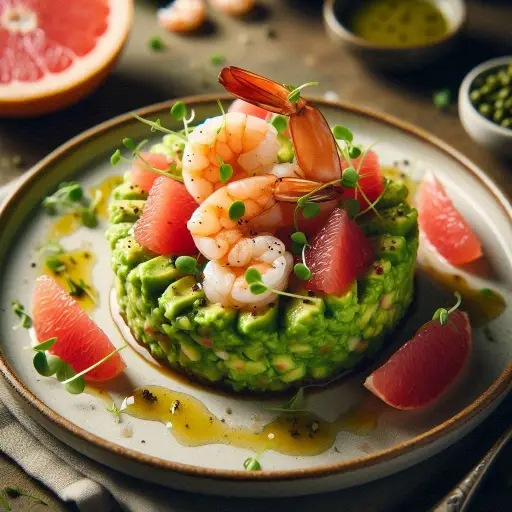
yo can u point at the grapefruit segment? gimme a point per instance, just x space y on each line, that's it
80 342
53 52
249 109
162 228
339 253
443 225
144 178
370 179
418 373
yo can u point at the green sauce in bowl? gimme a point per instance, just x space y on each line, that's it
399 23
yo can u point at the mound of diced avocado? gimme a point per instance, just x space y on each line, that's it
287 344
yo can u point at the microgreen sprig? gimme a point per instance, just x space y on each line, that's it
19 310
442 314
296 404
257 286
116 412
252 463
16 492
294 95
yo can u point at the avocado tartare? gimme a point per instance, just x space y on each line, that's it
286 344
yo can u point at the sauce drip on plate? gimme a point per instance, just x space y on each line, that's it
192 424
105 187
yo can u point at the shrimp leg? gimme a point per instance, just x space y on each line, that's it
315 146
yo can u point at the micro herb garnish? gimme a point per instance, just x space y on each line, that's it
442 98
252 463
16 492
116 412
442 314
19 310
179 112
296 404
48 365
236 210
217 59
280 123
157 44
224 119
257 286
70 198
186 264
226 170
294 95
56 265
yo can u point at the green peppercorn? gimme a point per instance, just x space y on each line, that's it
498 104
475 96
508 103
485 90
507 123
498 115
485 109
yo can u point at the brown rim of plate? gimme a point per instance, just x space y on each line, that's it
483 402
343 32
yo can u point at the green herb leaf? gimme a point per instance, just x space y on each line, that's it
310 210
302 200
217 59
302 272
226 171
252 464
116 412
354 152
45 345
128 143
15 492
342 133
236 210
296 248
88 218
299 238
46 365
257 288
76 386
252 276
294 96
186 264
280 123
487 292
115 158
19 310
75 290
55 264
442 98
350 175
296 404
157 44
179 111
442 315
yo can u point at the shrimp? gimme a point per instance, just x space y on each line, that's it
233 7
250 145
315 147
183 15
225 284
217 236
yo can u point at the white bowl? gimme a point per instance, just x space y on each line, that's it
483 131
392 57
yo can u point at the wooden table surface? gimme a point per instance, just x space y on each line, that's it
285 39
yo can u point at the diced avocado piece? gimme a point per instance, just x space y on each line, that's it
255 367
156 275
125 211
190 348
130 253
214 315
253 323
397 220
367 311
379 270
300 349
129 191
286 152
304 316
117 231
255 352
283 363
294 375
392 248
320 372
180 296
396 192
337 304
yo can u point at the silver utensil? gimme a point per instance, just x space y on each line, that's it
459 498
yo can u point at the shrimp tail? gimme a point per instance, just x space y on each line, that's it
289 190
258 90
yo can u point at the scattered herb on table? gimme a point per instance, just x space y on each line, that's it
19 310
16 492
116 412
252 463
442 99
157 44
217 59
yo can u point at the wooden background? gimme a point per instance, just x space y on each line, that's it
285 39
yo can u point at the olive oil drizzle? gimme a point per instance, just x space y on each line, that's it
192 424
105 187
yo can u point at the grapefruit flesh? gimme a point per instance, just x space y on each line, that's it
54 52
162 228
80 342
370 179
443 225
144 178
339 253
249 109
425 366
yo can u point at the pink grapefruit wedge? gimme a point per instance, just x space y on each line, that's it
426 366
443 225
54 52
80 342
249 109
339 253
162 228
144 178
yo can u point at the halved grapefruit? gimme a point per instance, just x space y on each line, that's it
339 253
162 228
443 225
418 373
54 52
80 342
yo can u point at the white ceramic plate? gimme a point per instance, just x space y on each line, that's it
400 439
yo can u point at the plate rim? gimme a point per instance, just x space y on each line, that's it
484 401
